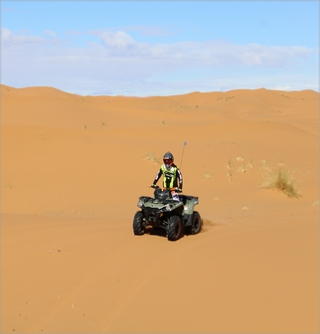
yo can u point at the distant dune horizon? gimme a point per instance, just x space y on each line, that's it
152 95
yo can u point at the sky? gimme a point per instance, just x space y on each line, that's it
148 48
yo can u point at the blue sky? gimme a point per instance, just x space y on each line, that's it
146 48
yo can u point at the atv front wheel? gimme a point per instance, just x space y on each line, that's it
196 223
174 228
138 228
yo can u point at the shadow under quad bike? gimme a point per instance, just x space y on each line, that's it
161 211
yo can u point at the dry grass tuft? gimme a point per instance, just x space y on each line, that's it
230 164
152 157
283 181
242 169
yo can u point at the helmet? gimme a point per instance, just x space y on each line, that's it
168 159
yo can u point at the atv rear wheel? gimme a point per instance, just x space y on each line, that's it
196 223
174 228
138 227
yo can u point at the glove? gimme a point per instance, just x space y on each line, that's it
178 190
153 186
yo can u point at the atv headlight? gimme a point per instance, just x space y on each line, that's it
140 204
168 207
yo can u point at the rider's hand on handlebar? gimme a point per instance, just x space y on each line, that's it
153 186
178 190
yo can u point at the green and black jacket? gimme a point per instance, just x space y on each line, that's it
172 177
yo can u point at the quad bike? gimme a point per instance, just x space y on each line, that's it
161 211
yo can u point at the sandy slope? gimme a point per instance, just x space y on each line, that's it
72 170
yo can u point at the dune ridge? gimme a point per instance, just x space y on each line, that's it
73 168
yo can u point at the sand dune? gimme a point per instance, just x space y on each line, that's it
73 168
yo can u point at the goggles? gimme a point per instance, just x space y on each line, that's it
167 161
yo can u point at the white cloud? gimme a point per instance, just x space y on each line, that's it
9 39
261 55
119 40
5 34
50 33
117 63
211 52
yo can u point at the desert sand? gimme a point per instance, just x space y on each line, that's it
73 168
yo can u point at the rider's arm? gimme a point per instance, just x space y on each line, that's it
180 178
157 176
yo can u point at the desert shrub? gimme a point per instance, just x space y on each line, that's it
283 181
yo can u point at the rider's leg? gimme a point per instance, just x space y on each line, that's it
175 196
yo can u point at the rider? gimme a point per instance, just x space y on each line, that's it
172 177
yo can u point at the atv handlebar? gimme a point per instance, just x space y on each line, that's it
176 189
